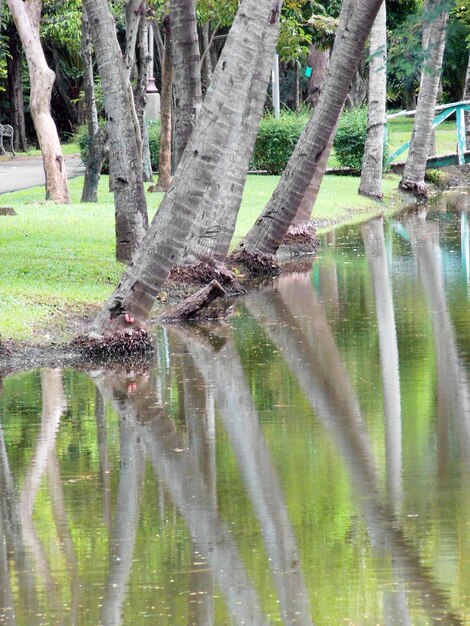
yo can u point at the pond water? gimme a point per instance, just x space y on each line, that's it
307 463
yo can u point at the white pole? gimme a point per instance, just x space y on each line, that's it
275 86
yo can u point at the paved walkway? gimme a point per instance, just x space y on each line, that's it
26 172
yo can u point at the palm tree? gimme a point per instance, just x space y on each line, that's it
256 251
372 162
415 167
210 173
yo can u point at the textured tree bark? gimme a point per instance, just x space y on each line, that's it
125 162
372 162
95 135
296 87
140 95
63 90
27 17
206 164
15 88
267 234
164 158
318 60
186 71
206 65
415 167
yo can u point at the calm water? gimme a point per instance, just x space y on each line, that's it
308 463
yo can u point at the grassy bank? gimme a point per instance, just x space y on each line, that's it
57 262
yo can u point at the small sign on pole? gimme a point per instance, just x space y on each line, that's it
308 72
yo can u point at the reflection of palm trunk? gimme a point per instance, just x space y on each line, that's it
53 405
12 532
240 419
374 242
63 533
200 426
124 529
7 612
187 487
304 337
453 388
105 475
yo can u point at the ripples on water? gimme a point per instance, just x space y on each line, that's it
308 463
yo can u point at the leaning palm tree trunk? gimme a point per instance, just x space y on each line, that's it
256 250
196 187
372 162
415 167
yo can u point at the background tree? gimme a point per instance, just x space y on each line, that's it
372 162
187 90
125 160
415 167
27 17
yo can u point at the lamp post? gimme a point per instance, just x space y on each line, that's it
152 111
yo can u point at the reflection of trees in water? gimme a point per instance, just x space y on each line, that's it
20 535
187 486
295 321
224 373
453 387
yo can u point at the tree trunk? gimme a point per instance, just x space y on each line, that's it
164 158
125 162
95 135
62 89
415 167
140 95
187 75
318 60
372 162
206 65
466 96
268 232
15 88
27 19
205 165
296 87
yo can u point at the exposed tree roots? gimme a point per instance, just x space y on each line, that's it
6 210
203 273
254 265
300 240
135 345
419 190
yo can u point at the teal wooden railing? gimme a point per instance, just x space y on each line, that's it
447 110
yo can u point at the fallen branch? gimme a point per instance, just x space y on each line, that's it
195 307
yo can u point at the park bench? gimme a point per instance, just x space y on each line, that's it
6 131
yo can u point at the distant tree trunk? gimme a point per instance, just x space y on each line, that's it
95 135
204 166
466 96
27 18
415 167
164 158
372 162
15 88
186 73
206 65
318 60
63 91
140 95
125 162
296 87
256 250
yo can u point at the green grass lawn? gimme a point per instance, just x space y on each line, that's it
56 260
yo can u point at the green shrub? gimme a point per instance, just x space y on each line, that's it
350 138
276 141
153 129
